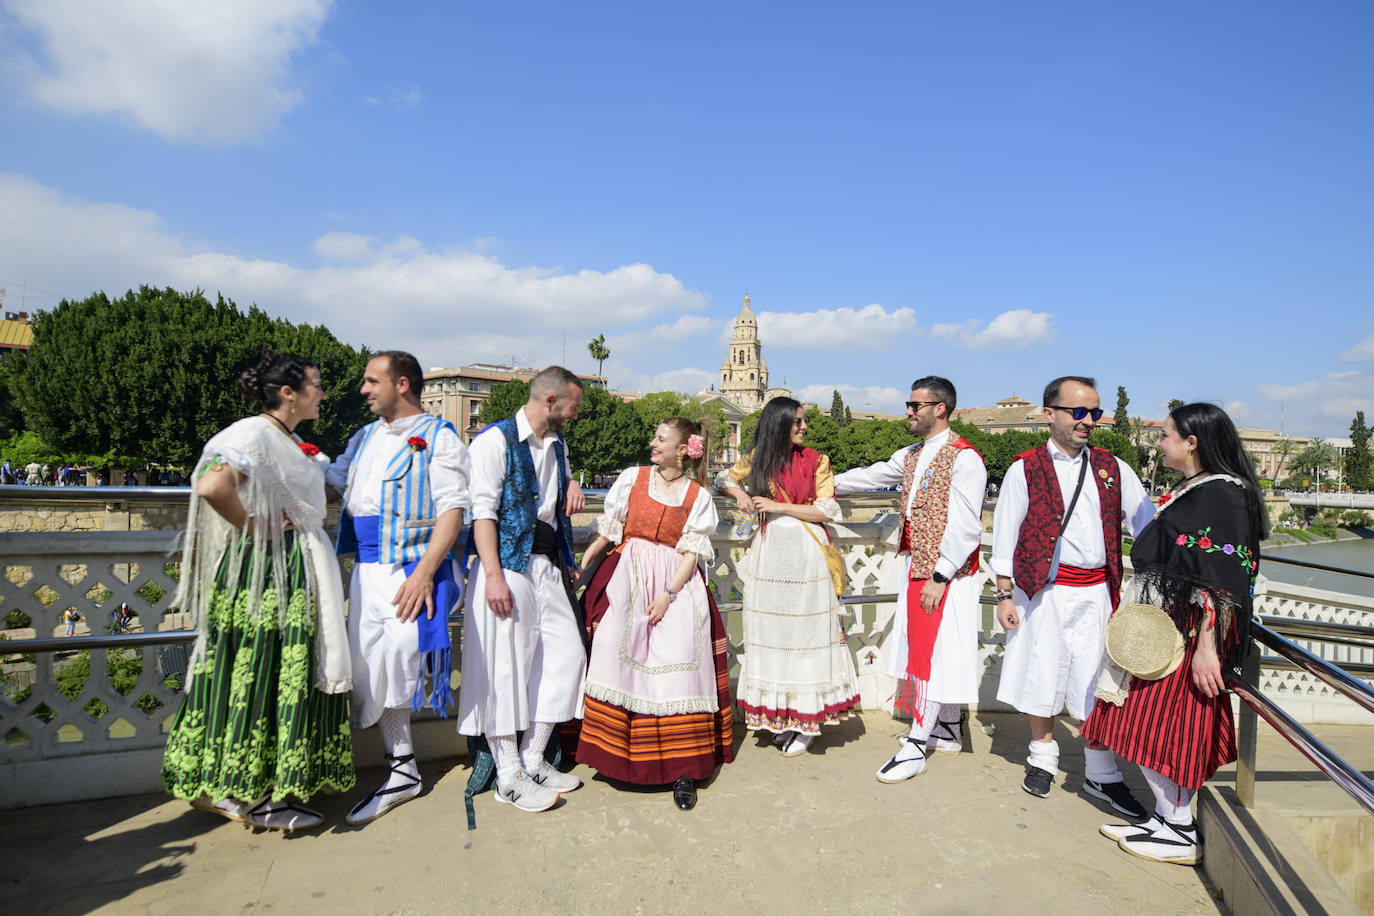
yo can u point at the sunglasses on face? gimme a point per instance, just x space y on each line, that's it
915 406
1079 413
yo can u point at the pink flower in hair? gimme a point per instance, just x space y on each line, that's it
696 447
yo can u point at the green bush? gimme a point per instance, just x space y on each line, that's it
1356 518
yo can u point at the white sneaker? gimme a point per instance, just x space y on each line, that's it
548 776
1120 832
525 794
1174 843
909 761
283 816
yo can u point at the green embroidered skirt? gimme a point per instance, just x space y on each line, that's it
252 722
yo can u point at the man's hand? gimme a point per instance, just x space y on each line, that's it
931 593
498 593
415 594
657 608
1006 614
576 501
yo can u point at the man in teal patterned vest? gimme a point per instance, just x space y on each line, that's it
523 657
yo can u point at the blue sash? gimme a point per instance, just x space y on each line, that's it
435 646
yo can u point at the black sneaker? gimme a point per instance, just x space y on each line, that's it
1037 781
1115 794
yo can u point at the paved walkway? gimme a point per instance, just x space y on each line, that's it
811 834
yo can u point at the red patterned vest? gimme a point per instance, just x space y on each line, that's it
924 526
1030 565
650 519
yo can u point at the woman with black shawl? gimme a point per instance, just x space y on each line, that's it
1197 561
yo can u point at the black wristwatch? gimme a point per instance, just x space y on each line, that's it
940 577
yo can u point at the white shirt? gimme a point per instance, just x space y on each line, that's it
1082 542
449 467
701 519
968 481
489 469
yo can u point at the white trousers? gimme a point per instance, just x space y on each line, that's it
954 665
1053 657
528 667
385 651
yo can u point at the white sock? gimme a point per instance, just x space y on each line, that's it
1099 765
536 738
921 730
1045 755
395 727
951 713
507 756
1173 803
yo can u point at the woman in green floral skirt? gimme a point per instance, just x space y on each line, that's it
266 708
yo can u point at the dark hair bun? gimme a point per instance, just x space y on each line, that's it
250 383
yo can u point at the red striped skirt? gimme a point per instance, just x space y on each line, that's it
1169 726
654 750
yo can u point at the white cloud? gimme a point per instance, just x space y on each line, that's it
686 380
660 337
871 327
1333 398
200 70
448 306
1015 329
877 398
399 99
1362 352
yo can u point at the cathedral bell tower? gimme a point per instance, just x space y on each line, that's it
744 374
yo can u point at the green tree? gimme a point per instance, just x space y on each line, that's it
823 434
599 351
747 427
658 406
506 398
1121 419
1358 459
11 420
153 375
867 442
837 408
1284 448
1118 444
1316 457
607 435
1174 404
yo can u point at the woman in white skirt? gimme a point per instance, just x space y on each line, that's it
797 673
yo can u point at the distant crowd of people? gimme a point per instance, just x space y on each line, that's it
35 474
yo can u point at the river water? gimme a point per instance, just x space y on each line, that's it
1357 555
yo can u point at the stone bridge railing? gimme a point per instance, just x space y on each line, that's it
101 713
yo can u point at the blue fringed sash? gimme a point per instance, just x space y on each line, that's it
436 648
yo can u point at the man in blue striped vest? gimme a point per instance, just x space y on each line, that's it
404 480
523 657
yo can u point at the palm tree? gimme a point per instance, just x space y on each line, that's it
1283 448
599 351
1317 455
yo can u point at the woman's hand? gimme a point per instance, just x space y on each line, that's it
742 500
658 607
1207 667
764 504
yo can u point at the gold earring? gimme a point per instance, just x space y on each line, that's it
293 408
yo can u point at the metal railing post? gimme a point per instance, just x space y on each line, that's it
1247 733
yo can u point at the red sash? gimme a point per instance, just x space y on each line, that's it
921 630
1077 577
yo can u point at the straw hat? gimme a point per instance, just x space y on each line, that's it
1143 640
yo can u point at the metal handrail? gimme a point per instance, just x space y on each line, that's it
1343 774
1344 634
1356 690
1307 564
113 641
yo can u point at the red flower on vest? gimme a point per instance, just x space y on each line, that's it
416 443
311 450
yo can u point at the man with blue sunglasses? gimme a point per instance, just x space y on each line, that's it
1058 538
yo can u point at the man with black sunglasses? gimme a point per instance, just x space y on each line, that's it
1066 565
933 649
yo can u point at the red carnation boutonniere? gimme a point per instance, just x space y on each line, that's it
309 449
416 443
1164 500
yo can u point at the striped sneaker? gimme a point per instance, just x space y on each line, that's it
1119 832
1174 843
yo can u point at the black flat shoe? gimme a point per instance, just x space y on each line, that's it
685 793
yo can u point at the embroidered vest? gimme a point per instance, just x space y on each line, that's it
650 519
924 526
1030 564
519 510
407 507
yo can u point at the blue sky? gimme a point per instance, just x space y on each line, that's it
1174 197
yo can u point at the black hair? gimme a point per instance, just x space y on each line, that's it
772 443
263 383
941 389
401 365
1052 389
686 428
1220 451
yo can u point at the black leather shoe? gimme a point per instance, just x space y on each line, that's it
1037 781
685 793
